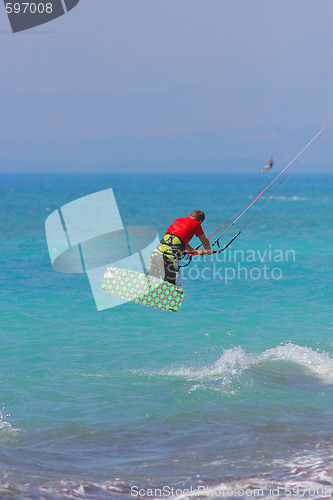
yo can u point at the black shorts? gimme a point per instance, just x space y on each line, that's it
164 265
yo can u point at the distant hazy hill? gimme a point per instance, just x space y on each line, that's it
182 126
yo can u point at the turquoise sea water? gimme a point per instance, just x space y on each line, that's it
233 394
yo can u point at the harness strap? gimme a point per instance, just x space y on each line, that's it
173 241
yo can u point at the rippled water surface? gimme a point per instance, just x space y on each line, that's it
231 395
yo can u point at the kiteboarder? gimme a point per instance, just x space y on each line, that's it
269 166
163 261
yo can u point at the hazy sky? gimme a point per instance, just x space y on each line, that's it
148 81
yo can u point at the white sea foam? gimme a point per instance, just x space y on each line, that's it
285 198
319 363
233 362
67 489
3 422
4 425
252 487
258 488
300 476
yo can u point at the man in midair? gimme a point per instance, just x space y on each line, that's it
163 262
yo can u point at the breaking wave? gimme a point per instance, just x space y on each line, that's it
235 361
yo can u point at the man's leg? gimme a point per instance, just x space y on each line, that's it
171 269
156 266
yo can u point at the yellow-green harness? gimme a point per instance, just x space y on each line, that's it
172 247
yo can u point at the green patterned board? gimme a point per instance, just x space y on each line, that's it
142 289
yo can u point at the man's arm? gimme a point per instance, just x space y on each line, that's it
190 249
205 243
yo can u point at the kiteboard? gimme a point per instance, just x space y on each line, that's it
143 289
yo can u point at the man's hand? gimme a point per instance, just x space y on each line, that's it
206 245
204 252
